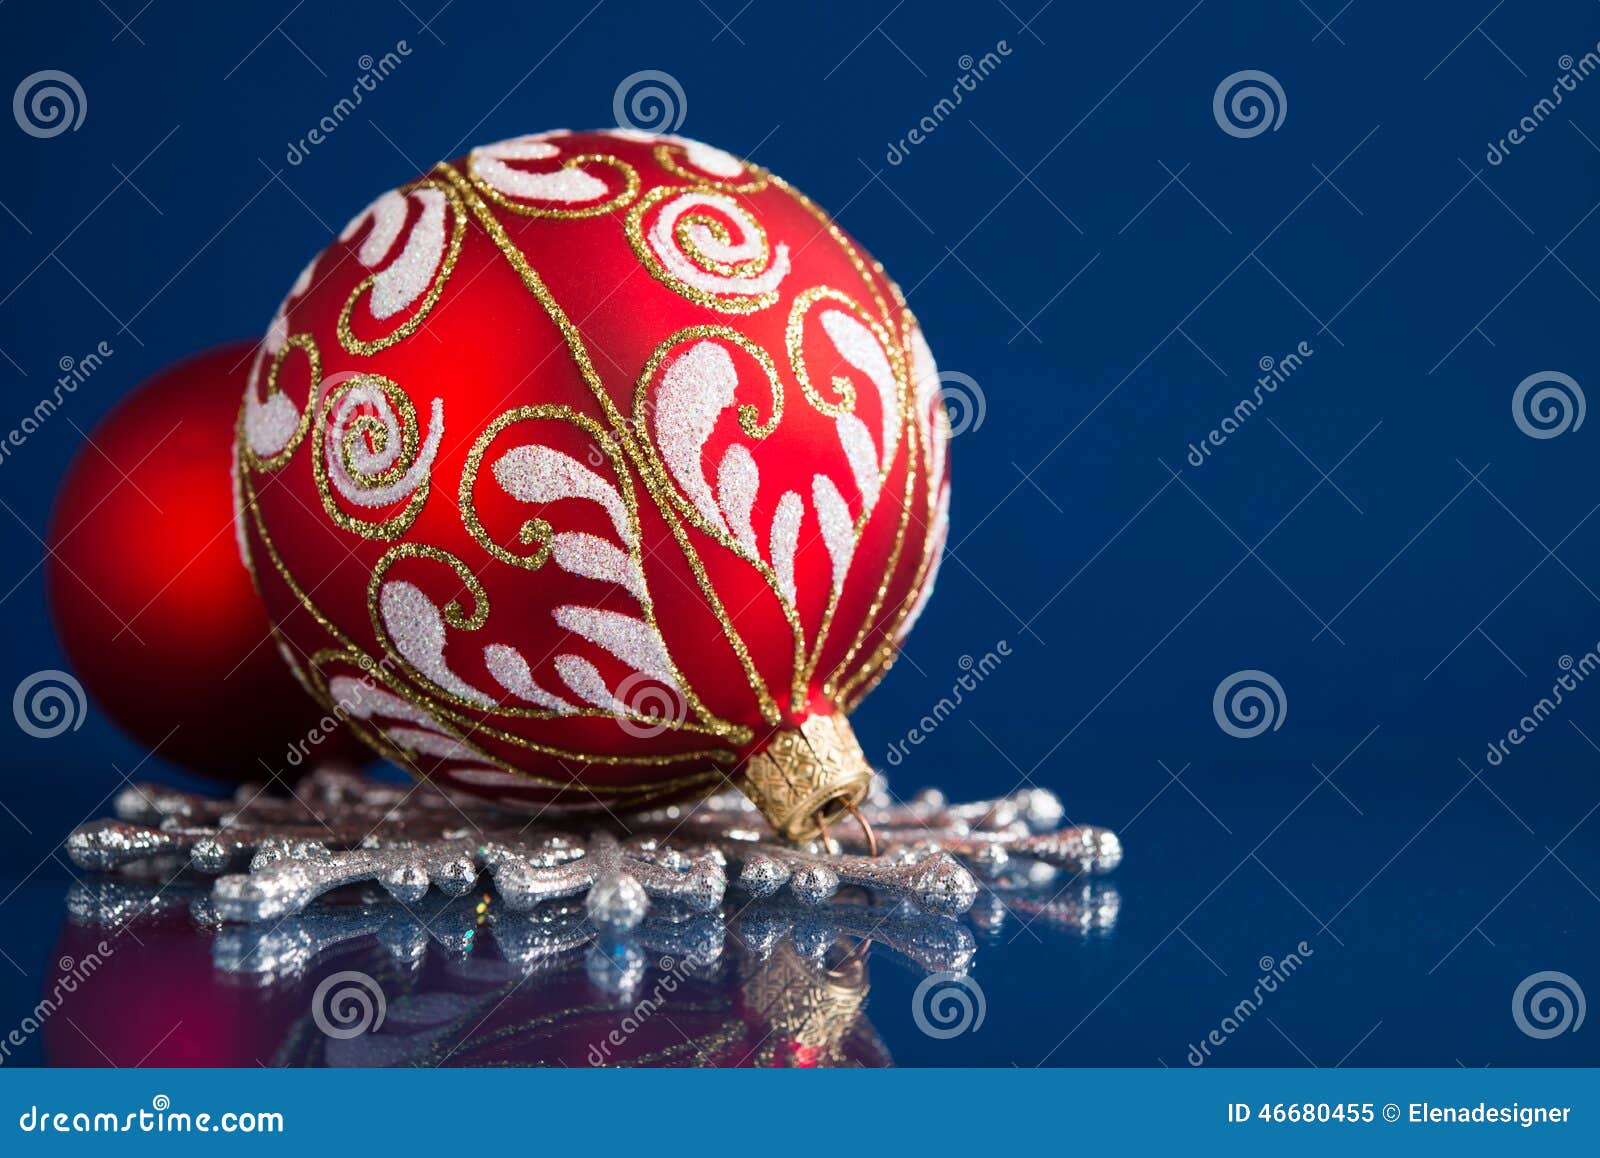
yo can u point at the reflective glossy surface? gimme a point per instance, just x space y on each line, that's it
1137 969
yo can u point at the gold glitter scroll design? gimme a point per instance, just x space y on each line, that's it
410 246
446 695
657 486
549 480
885 614
932 419
368 448
303 345
805 303
391 718
875 614
485 165
703 244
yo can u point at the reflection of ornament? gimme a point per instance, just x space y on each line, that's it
152 606
786 986
465 982
664 380
151 996
804 1008
929 944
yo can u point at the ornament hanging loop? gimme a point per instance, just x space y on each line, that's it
868 835
866 828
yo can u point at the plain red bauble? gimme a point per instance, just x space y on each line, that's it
152 604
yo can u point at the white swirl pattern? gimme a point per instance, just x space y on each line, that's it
417 627
697 389
749 248
404 280
541 475
933 428
708 159
269 423
362 403
417 731
566 185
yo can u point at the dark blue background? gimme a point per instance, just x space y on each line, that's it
1413 605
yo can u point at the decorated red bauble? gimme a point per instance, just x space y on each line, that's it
594 470
157 617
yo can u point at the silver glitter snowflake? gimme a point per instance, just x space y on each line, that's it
273 856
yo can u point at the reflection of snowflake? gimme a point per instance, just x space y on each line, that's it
340 829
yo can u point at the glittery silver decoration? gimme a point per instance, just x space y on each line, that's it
936 883
278 855
281 883
619 878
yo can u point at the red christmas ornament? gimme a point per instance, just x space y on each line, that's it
151 605
594 469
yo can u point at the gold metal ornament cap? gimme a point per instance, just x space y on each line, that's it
817 770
